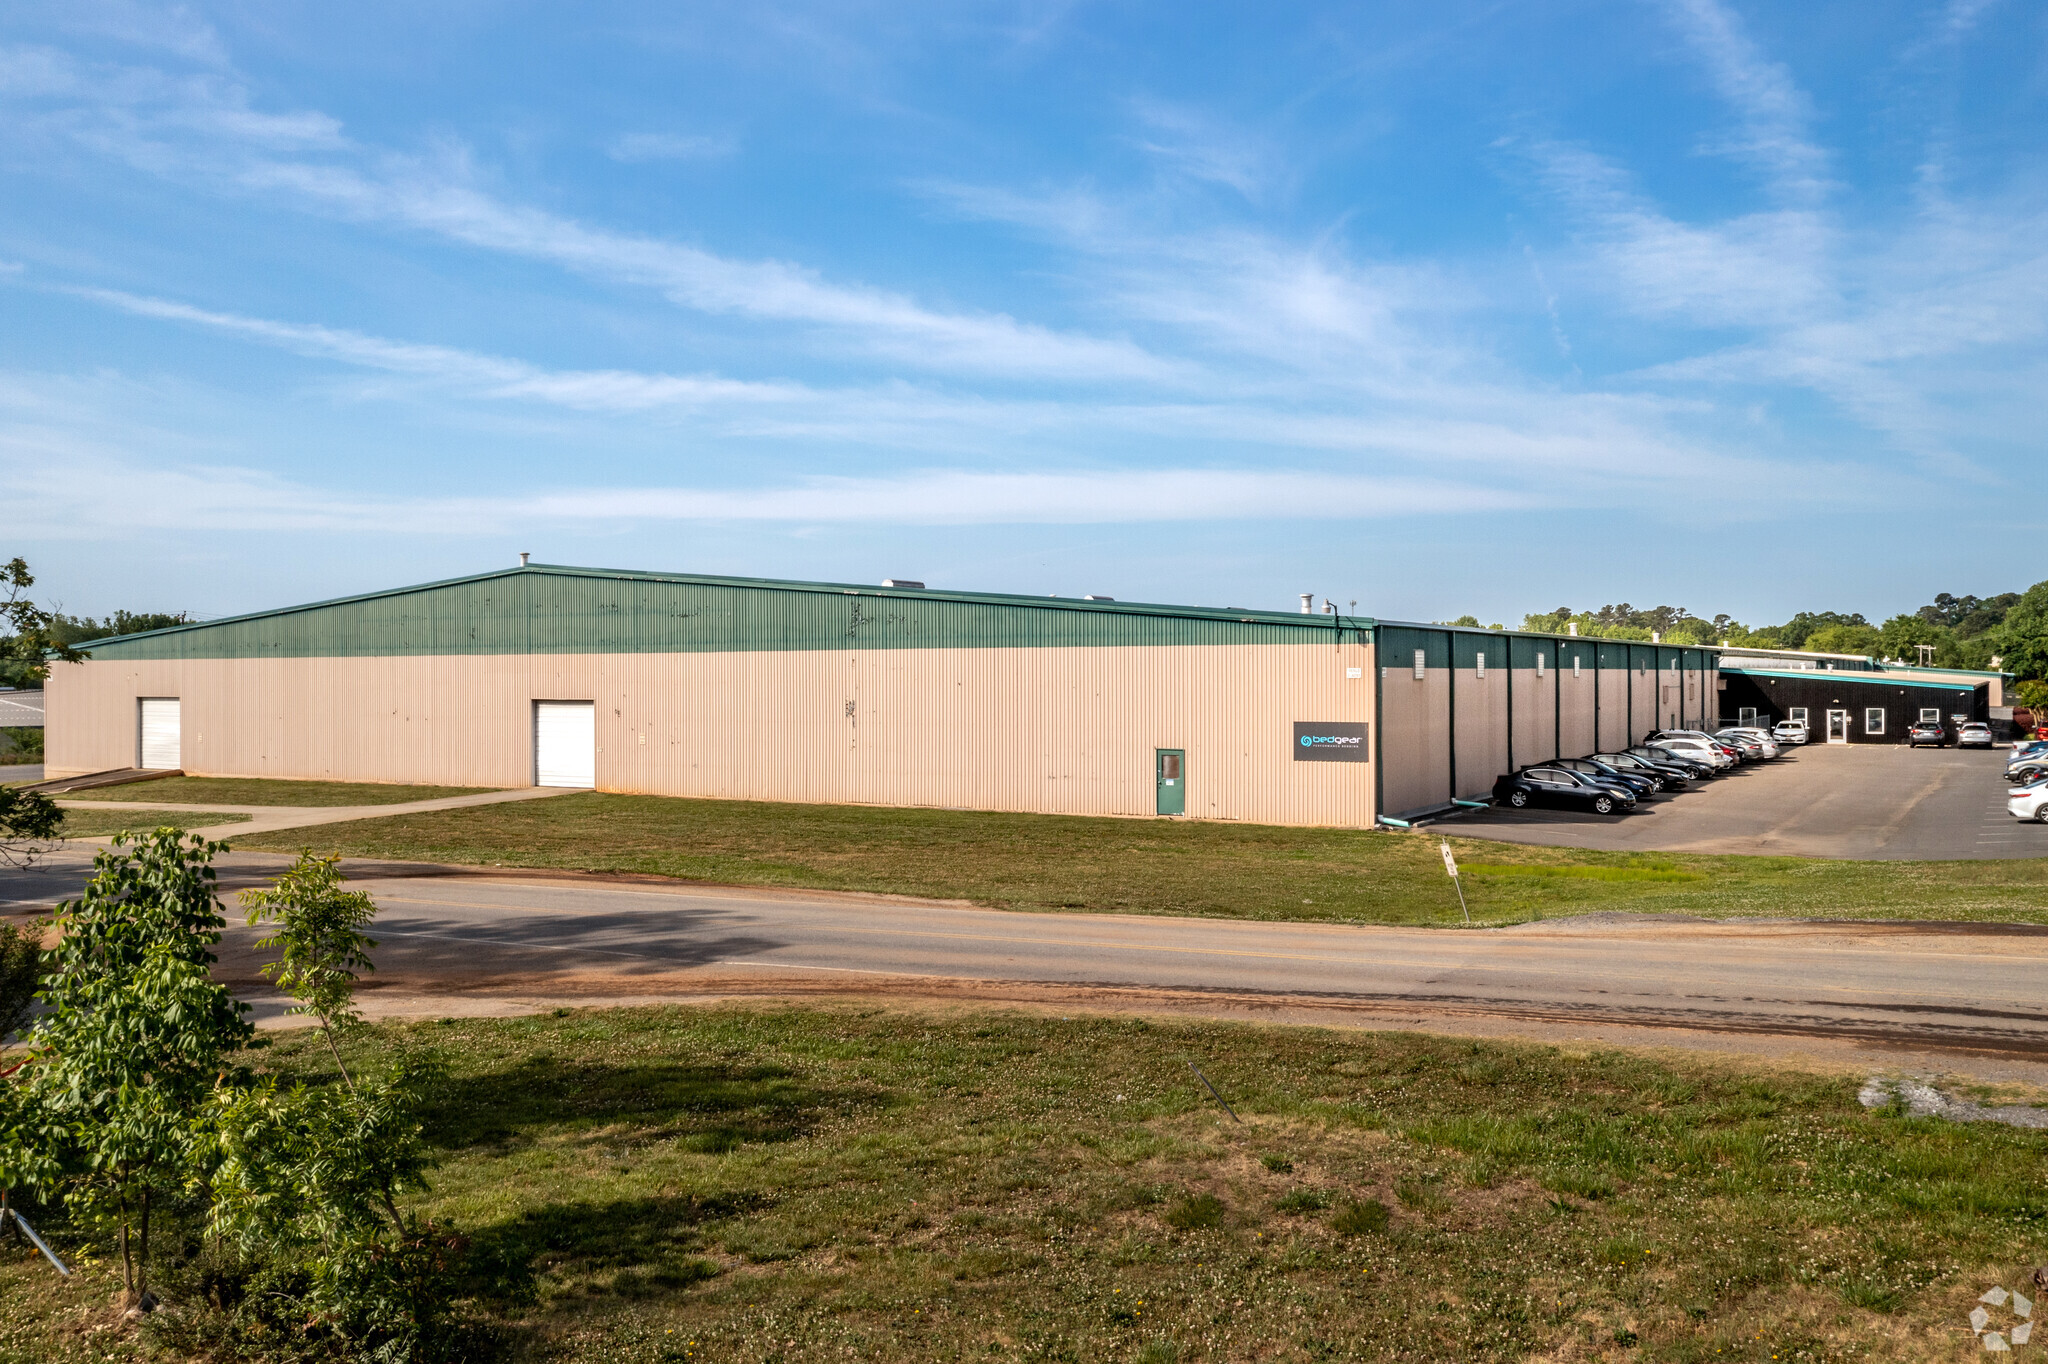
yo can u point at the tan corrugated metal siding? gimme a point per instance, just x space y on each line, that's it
1066 730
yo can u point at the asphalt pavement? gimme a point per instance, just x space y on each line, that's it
1924 997
1884 802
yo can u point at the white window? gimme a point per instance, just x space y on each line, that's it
1873 719
1421 665
1797 713
1746 717
1930 715
1479 665
1539 662
564 744
1575 665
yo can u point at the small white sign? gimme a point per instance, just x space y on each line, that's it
1450 862
1354 672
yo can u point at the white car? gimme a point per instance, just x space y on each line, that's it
1976 734
1699 750
2029 802
1790 731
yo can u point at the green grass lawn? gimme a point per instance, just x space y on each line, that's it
796 1184
1156 867
98 823
264 791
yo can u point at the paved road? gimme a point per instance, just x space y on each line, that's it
1886 802
1919 996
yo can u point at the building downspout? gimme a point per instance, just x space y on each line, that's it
1379 729
1451 729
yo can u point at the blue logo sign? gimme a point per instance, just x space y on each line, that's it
1331 741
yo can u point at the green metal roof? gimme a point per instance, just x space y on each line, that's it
552 608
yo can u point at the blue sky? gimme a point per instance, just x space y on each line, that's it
1440 307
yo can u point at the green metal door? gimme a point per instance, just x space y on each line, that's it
1172 768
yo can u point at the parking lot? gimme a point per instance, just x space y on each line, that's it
1884 802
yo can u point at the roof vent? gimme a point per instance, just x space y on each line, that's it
524 556
1093 597
1308 603
904 583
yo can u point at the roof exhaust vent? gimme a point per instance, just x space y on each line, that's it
1094 597
905 583
524 557
1308 603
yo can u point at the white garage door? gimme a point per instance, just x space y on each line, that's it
160 733
564 743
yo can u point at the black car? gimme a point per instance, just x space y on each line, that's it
1664 757
1671 775
1640 784
1927 732
1552 785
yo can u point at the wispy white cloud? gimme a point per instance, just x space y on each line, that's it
634 148
1773 112
202 128
1202 147
485 375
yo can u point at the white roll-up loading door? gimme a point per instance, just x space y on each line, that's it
564 743
160 749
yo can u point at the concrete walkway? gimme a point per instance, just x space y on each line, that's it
264 819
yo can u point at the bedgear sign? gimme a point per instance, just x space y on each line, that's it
1329 742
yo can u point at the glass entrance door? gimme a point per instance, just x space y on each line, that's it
1838 726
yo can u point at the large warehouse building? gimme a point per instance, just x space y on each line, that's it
736 688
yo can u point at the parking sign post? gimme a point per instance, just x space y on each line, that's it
1451 866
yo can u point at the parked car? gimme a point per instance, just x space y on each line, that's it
1764 744
1695 766
2022 747
1670 774
1927 732
2027 770
1699 749
1561 786
1740 753
2029 802
1975 734
1639 784
1790 732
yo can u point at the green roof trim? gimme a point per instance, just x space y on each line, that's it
1859 678
556 609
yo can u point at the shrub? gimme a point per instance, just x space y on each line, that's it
1195 1212
1367 1218
1302 1200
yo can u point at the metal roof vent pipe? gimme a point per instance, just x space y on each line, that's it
1571 628
1308 603
525 556
905 583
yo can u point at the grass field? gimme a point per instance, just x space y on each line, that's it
97 823
1156 867
263 791
749 1184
